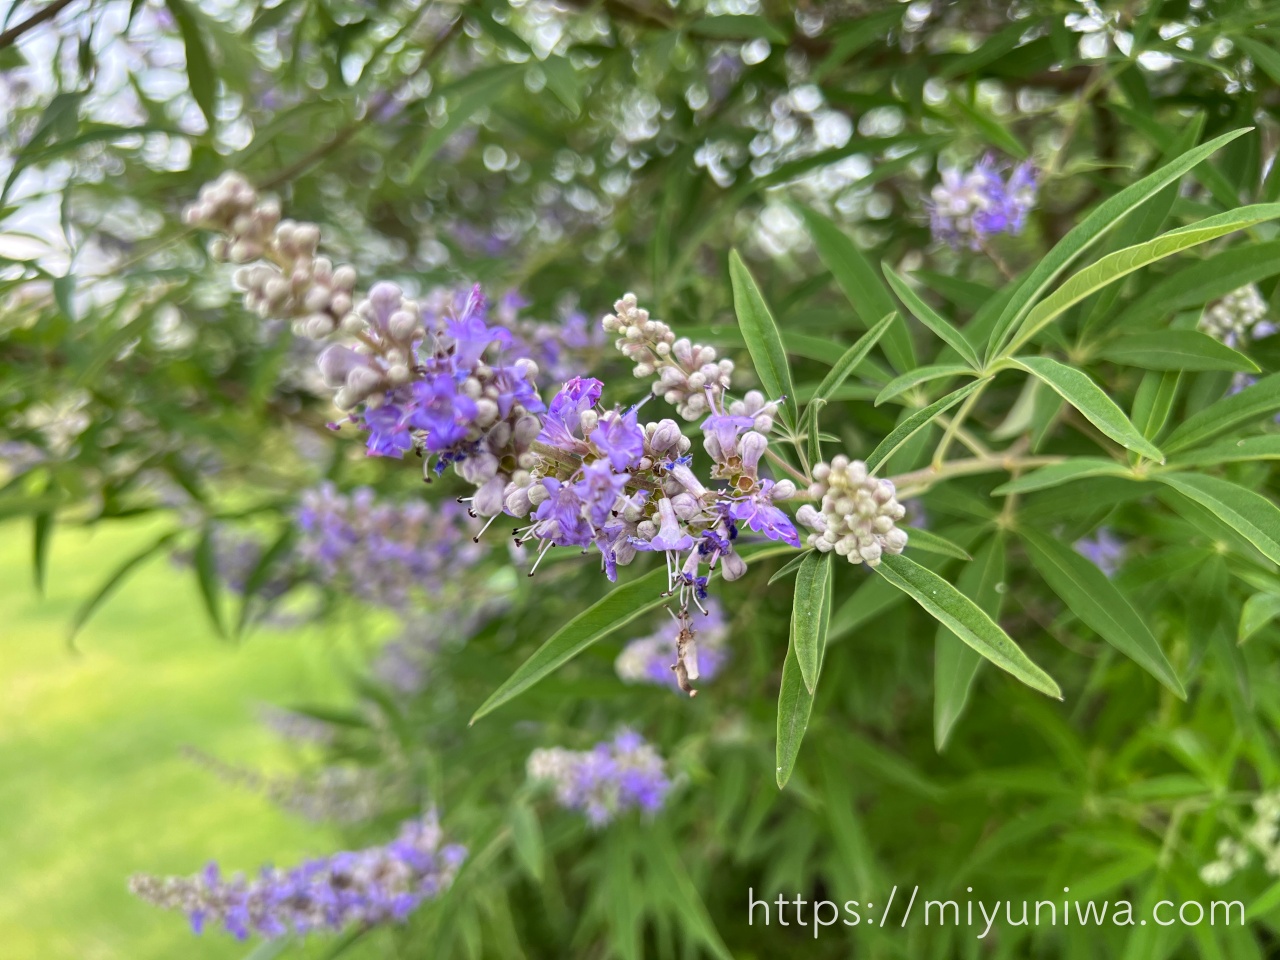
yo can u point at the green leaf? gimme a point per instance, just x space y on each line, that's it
740 26
850 359
921 418
913 378
1099 604
1077 389
931 319
526 838
1154 401
1086 233
42 525
1265 57
563 81
115 579
930 542
1228 451
994 130
260 574
1252 402
201 76
795 701
858 280
764 343
684 896
1197 283
1124 262
206 567
955 663
615 609
965 619
1259 610
1176 350
482 89
1251 515
811 615
1056 474
789 568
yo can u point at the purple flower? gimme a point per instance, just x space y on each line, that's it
362 888
389 433
599 490
965 208
442 411
1105 549
619 438
564 417
671 536
560 518
759 514
470 334
614 777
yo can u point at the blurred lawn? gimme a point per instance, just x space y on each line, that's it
92 787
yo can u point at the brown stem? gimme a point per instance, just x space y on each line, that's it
10 36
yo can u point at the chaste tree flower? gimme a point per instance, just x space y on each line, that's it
967 207
366 887
625 773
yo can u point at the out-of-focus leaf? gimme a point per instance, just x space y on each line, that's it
261 573
857 278
764 343
685 898
955 663
1086 233
42 525
1265 57
209 581
945 330
201 75
1077 389
965 619
1254 401
526 838
1098 602
1251 515
918 420
563 81
741 26
1176 350
115 579
811 614
482 90
1259 610
996 132
1056 474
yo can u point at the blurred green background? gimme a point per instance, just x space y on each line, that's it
93 786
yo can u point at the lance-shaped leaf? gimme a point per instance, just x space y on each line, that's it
764 343
1056 474
1259 610
1201 281
947 331
810 615
1252 402
1099 604
850 359
930 542
1086 233
474 93
206 568
918 420
201 76
1124 262
955 663
857 278
795 699
965 619
1251 515
913 378
615 609
1154 401
1230 451
1077 389
116 578
1176 350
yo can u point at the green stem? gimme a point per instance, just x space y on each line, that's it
918 481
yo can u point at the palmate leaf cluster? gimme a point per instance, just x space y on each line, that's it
988 710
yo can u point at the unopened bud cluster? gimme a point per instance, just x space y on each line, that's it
289 281
859 513
1262 836
1238 317
687 372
